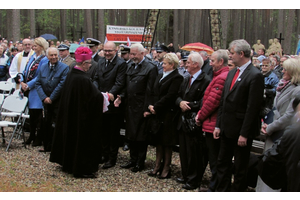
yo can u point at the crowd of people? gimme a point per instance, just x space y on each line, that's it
212 106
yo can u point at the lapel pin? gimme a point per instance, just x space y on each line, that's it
239 79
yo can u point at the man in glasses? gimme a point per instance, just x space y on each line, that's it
19 62
110 77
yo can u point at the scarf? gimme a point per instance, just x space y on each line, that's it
33 68
282 84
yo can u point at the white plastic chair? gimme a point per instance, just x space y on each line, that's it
6 87
13 106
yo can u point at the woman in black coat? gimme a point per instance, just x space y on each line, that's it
165 93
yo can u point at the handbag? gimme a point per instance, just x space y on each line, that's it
153 125
271 167
189 122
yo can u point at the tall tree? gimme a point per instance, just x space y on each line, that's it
175 28
63 26
224 13
88 22
289 31
101 25
32 22
181 26
15 24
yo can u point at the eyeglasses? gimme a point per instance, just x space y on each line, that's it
26 44
265 65
89 63
107 51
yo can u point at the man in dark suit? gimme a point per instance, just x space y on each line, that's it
110 77
238 118
140 78
191 143
93 44
207 68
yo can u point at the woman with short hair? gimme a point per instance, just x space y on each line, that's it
165 94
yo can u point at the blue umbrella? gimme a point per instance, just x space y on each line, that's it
48 37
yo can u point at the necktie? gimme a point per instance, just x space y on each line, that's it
190 82
107 63
234 78
52 67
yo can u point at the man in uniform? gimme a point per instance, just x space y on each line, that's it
161 51
64 55
93 44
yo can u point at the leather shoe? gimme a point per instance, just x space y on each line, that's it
181 180
103 159
128 165
108 164
85 176
44 150
203 189
37 142
137 168
189 187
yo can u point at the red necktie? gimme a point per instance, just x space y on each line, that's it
235 77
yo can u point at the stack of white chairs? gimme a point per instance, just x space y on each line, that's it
13 112
6 87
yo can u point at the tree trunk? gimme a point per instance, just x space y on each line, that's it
15 25
101 25
32 22
88 22
289 32
181 13
225 25
175 28
63 26
280 21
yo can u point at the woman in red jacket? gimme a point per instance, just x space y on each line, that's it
207 116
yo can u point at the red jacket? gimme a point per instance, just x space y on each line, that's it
211 100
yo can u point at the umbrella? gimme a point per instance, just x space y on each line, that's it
198 47
48 37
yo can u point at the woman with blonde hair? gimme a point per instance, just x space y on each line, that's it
288 88
165 94
28 79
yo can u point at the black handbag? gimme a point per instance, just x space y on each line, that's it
271 167
189 122
153 124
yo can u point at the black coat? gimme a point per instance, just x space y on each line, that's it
138 96
76 137
207 68
111 79
165 95
193 95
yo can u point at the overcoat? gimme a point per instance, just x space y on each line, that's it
165 95
138 95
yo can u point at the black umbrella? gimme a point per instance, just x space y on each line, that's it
48 37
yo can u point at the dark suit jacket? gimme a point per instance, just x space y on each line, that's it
239 107
111 79
96 58
194 94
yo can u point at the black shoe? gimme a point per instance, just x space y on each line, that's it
128 165
165 177
108 164
103 159
181 180
152 174
29 140
137 168
85 176
189 187
126 147
45 150
37 143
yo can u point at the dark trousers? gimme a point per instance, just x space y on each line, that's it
138 152
110 136
228 149
50 113
213 147
35 123
193 156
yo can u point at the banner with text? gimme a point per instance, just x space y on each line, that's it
120 33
